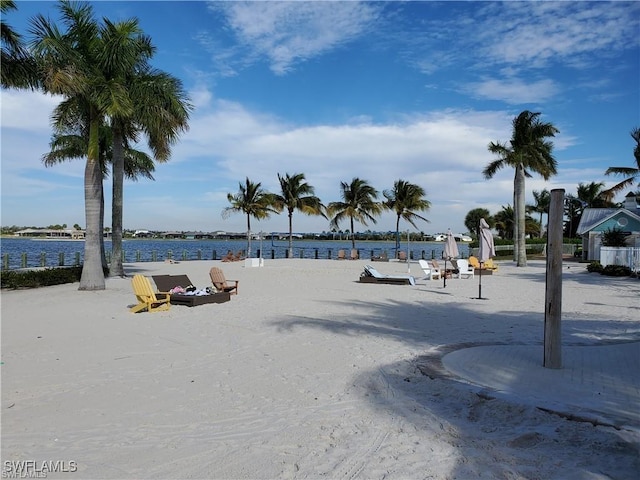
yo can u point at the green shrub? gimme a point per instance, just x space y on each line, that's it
616 271
39 278
595 266
613 238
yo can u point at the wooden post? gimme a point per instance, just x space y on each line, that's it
553 293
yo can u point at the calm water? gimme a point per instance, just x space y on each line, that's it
24 252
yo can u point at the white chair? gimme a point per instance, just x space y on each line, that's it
464 269
431 273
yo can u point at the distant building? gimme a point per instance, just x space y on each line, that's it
595 221
142 234
49 233
197 235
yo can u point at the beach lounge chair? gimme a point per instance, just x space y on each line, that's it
371 275
221 283
228 257
402 256
147 298
167 283
342 255
430 272
464 269
379 258
354 254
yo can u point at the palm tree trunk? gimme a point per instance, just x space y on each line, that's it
520 216
540 234
103 255
290 234
515 218
398 236
248 236
117 269
353 235
92 277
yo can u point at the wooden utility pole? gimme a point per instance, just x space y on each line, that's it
553 293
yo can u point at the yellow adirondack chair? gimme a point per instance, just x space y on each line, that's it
147 297
490 265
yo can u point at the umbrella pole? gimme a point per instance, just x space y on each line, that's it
444 274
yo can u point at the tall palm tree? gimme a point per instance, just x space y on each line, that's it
74 63
632 173
159 108
527 151
253 201
542 201
69 144
359 203
405 199
18 66
297 194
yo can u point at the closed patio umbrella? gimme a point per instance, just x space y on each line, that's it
450 251
487 250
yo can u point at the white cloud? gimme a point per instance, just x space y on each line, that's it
514 38
27 110
286 33
437 151
514 90
443 151
533 34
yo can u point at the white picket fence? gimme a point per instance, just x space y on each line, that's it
628 256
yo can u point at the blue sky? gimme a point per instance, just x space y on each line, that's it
336 90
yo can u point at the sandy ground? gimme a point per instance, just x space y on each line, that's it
305 374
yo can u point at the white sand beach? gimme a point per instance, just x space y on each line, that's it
307 373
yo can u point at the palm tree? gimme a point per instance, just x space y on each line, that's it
631 173
504 220
253 201
151 102
592 195
94 64
573 208
68 144
504 223
405 199
297 194
589 195
18 66
472 220
358 204
74 64
542 202
527 151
